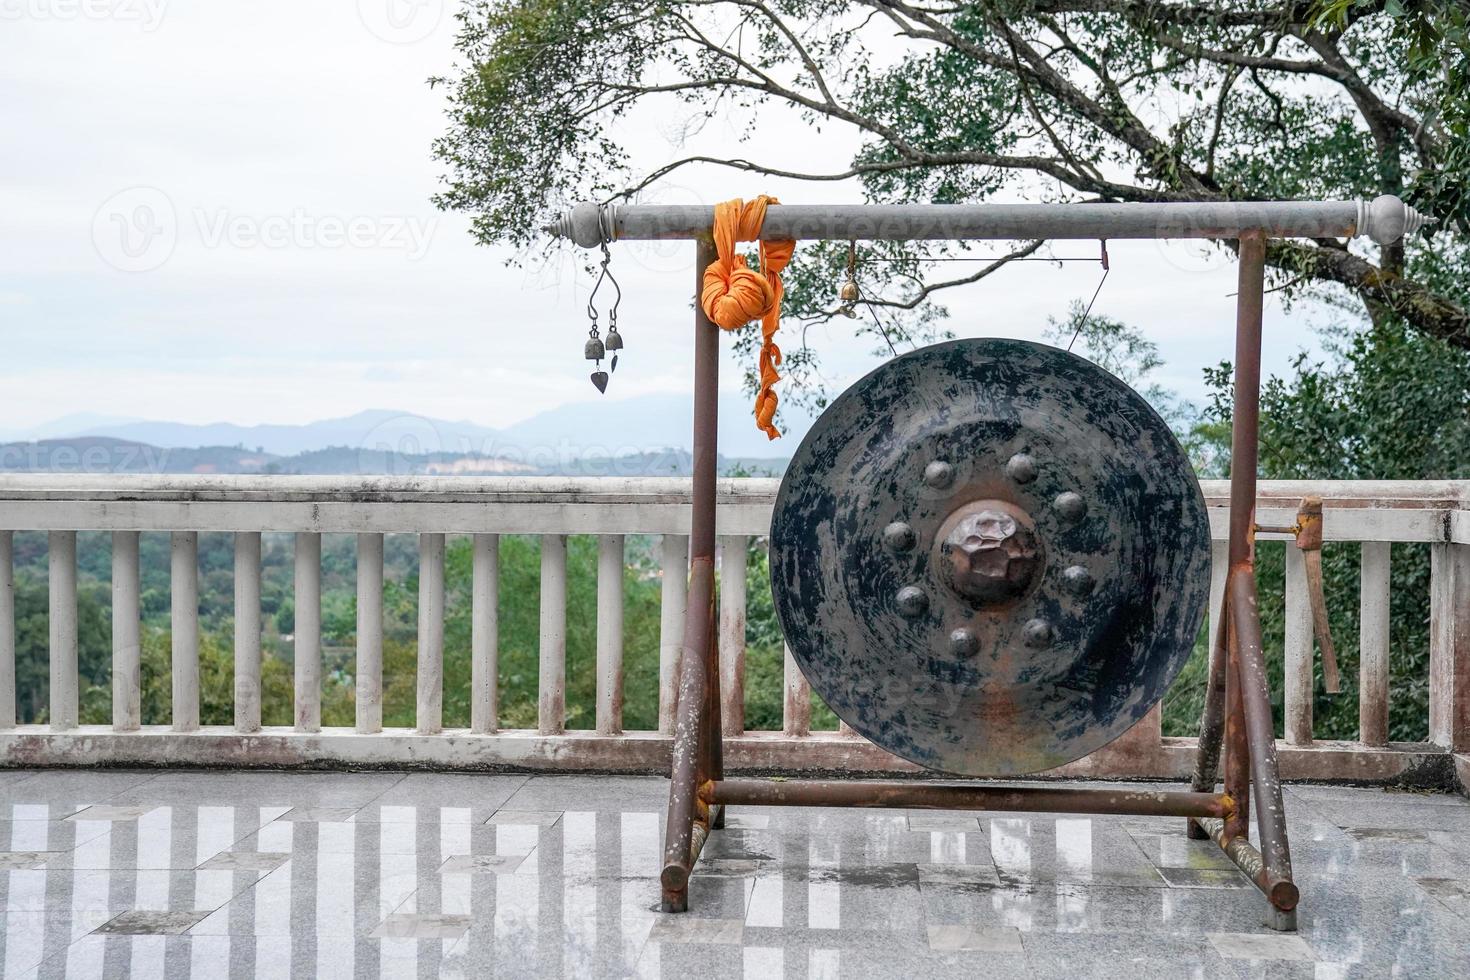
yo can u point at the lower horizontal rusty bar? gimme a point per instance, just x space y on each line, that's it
1283 894
922 796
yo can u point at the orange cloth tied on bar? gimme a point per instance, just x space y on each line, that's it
734 294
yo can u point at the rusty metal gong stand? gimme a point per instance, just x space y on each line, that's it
1237 713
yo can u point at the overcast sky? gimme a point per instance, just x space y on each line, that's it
219 211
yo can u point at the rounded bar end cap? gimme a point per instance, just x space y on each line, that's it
586 224
1386 219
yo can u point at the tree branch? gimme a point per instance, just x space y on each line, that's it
1424 309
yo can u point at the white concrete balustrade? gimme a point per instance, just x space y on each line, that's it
1436 514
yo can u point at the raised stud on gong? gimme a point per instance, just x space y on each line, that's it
912 602
1037 634
964 643
1078 580
939 474
899 536
1070 506
1021 468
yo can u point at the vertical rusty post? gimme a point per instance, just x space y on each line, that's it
696 755
1246 423
1249 727
1223 715
702 517
1244 458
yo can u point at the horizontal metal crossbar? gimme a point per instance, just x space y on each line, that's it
931 796
1385 219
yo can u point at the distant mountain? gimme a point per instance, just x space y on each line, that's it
552 440
104 454
649 422
374 429
78 423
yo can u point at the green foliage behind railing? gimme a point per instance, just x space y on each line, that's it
1335 715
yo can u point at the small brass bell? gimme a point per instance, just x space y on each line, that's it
849 292
614 339
594 351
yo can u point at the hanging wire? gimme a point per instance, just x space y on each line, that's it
881 328
1087 312
982 258
857 296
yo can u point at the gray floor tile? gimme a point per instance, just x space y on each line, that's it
1036 849
727 867
382 874
1453 894
747 821
106 813
1205 878
496 864
416 926
155 891
291 789
27 938
246 861
1398 812
952 938
1105 956
191 957
319 814
140 922
1171 849
1367 795
162 837
48 835
958 875
25 860
424 797
702 931
1261 946
591 793
926 822
76 787
525 818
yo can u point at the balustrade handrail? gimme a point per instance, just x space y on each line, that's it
292 487
1372 513
39 501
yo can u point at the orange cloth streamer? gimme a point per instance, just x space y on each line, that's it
734 294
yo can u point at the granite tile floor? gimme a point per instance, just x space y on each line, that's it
176 874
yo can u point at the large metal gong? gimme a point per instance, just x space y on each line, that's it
990 557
